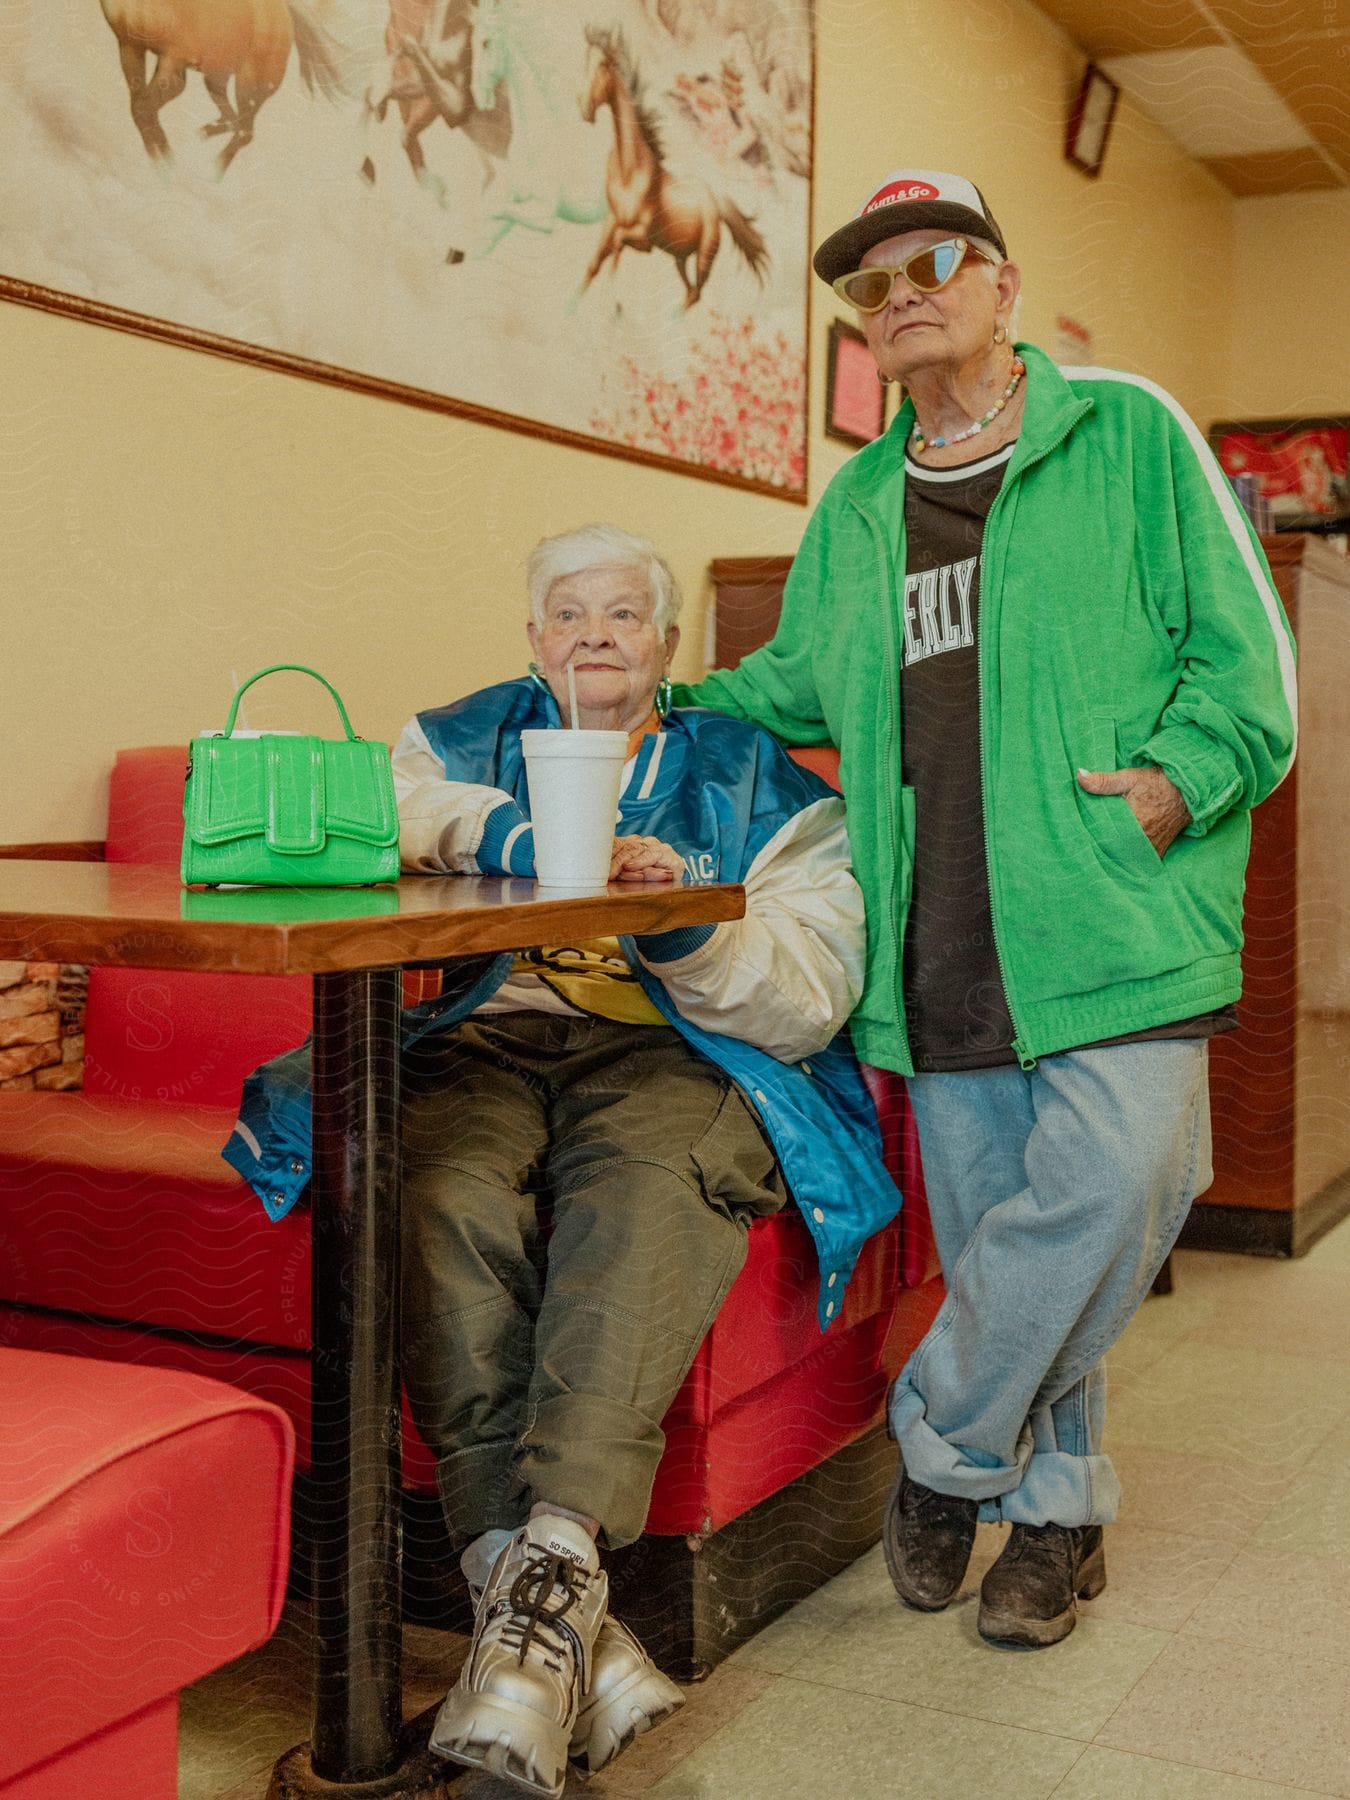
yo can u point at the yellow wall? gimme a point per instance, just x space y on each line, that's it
170 519
1291 339
1141 254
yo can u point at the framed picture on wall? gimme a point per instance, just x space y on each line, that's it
855 400
1301 467
588 222
1090 118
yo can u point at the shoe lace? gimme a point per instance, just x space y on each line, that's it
543 1593
1047 1544
926 1502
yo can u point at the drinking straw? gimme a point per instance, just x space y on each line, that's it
572 696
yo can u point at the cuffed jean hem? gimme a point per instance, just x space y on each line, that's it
1043 1487
594 1456
1055 1195
1059 1489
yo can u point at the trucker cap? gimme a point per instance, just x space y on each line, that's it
907 200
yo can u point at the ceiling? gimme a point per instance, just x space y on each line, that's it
1258 91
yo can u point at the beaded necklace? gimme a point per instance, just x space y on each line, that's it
921 443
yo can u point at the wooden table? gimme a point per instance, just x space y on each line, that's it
355 942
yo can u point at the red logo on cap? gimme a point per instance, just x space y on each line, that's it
899 190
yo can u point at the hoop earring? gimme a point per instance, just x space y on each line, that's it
665 695
1001 335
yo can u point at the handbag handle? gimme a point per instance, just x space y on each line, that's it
300 669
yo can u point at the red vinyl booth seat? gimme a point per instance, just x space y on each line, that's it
118 1208
144 1539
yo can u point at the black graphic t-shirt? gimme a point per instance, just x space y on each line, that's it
956 1011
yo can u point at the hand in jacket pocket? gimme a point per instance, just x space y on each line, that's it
1154 800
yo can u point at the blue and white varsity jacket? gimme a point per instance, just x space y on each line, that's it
764 997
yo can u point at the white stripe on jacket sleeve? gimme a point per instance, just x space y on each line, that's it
440 822
1234 519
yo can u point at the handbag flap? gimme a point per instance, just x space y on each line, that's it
226 796
293 770
311 789
359 780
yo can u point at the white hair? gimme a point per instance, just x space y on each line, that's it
601 547
991 269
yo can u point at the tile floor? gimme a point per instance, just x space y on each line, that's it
1216 1666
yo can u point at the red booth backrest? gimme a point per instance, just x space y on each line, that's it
145 805
164 1034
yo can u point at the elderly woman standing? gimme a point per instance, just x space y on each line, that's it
1046 642
659 1092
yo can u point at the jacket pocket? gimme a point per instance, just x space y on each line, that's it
1117 834
738 1171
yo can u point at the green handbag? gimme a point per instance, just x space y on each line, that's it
289 811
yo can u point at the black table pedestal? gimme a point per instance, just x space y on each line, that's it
358 1747
416 1775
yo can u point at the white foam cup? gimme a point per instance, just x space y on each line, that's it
574 779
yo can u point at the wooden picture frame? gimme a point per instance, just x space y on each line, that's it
316 223
855 397
1090 120
1301 467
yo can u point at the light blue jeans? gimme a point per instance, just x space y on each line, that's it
1055 1195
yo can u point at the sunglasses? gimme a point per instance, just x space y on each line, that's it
927 270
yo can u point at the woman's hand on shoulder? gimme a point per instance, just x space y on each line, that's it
645 859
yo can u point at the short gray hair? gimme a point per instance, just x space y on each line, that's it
997 259
601 547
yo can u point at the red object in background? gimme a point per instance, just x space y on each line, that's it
1302 466
855 400
160 1034
144 1541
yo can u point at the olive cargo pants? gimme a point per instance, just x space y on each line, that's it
539 1364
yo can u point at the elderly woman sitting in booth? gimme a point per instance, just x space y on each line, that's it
658 1092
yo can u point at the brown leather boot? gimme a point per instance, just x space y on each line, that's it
1030 1595
927 1538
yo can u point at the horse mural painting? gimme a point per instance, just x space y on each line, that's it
248 42
430 47
539 189
649 208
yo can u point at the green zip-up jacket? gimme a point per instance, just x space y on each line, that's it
1127 617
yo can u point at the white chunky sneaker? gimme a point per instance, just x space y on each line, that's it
627 1695
514 1707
